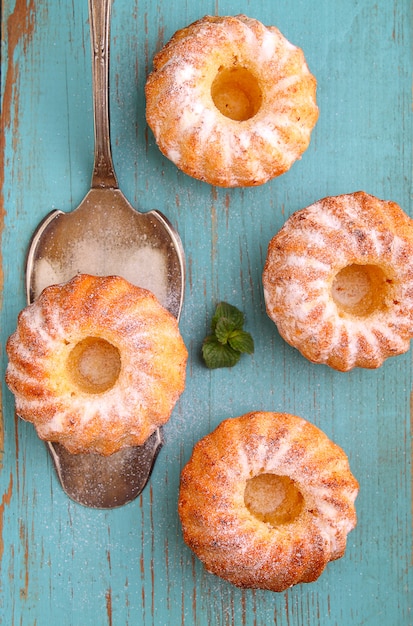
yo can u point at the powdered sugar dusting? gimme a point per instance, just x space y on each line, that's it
144 266
149 379
314 245
253 150
226 534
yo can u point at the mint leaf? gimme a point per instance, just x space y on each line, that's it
224 347
223 329
217 354
231 313
242 341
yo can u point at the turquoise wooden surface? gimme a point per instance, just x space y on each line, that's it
61 563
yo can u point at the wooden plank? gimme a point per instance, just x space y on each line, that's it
62 563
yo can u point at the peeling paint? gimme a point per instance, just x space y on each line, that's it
109 606
20 26
5 501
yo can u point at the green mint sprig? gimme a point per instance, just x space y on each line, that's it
223 348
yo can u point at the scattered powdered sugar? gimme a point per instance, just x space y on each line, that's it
45 274
98 481
145 266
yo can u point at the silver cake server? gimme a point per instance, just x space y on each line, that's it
105 236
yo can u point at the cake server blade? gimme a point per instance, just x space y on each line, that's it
105 236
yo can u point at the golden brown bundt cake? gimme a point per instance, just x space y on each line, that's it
267 500
231 101
96 364
338 281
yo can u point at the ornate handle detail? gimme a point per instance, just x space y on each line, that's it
103 170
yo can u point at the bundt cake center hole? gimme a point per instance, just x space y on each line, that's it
236 93
94 365
360 289
273 499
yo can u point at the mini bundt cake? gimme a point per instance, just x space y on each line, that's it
231 101
338 281
267 500
96 364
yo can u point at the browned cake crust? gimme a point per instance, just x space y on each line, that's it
231 101
338 281
96 364
267 500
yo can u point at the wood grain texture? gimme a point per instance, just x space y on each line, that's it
64 564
